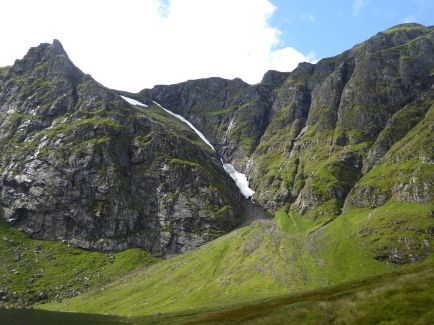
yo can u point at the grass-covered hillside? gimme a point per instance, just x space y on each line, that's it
262 260
396 298
35 271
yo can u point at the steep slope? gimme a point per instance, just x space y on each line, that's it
231 113
306 137
352 131
256 261
252 262
80 164
34 271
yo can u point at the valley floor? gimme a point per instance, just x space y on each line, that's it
402 297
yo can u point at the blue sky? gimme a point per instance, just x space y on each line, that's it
328 28
135 44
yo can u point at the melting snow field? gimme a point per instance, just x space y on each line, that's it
133 101
239 178
200 134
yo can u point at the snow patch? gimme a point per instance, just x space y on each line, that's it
200 134
133 101
231 125
240 179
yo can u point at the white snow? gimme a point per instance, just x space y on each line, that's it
239 178
134 102
200 134
231 125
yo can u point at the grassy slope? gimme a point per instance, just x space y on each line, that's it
405 297
31 267
256 261
4 71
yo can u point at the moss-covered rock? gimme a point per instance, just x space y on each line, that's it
82 165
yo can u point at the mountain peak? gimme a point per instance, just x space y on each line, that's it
57 47
406 27
46 61
274 77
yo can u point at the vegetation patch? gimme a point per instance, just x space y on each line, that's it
405 297
403 27
38 271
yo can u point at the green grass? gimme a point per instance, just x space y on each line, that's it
283 220
30 267
4 71
223 111
240 265
261 260
405 297
403 27
181 162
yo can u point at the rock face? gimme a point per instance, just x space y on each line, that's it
80 164
351 131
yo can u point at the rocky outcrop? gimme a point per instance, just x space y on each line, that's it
314 140
80 164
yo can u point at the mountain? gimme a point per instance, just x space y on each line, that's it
339 152
350 132
82 165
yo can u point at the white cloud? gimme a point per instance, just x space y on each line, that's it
138 43
358 5
286 59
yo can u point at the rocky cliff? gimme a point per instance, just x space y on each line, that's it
80 164
348 133
316 139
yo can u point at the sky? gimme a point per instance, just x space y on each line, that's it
135 44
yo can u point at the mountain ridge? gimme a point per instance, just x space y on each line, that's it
303 101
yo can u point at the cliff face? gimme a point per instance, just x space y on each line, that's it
349 135
350 131
80 164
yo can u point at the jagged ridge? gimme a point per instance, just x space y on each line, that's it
351 131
